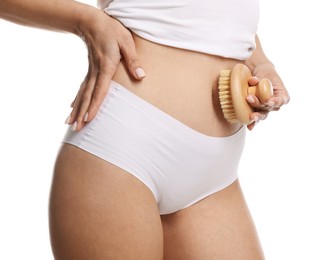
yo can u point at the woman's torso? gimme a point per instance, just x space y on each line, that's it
182 79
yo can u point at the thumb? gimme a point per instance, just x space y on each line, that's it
129 54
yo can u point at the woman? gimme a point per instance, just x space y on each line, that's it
148 168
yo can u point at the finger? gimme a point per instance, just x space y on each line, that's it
254 102
86 99
86 85
73 102
76 103
129 54
100 90
258 116
252 125
252 81
276 102
280 100
81 105
79 92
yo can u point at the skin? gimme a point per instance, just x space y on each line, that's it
99 211
262 67
106 39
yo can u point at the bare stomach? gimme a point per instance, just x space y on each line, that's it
181 83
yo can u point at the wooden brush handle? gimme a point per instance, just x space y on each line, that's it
233 90
263 90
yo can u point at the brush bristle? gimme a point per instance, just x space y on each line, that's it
225 96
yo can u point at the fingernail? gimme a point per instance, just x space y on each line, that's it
67 120
256 119
86 117
250 99
140 73
73 128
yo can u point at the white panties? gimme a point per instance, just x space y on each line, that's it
178 164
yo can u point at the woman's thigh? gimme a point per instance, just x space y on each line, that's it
218 227
98 211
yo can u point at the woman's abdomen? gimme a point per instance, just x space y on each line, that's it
182 84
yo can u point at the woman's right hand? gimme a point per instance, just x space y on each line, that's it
107 41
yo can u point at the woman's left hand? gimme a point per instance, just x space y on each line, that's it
274 103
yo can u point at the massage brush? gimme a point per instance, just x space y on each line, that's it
233 90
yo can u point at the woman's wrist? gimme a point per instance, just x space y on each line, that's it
266 68
85 19
258 61
93 25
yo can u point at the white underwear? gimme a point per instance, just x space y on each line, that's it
178 164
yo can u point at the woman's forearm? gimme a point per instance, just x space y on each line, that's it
58 15
258 57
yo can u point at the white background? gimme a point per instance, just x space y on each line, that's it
40 72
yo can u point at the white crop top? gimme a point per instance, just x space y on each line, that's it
225 28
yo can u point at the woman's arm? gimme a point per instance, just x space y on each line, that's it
107 41
59 15
262 67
